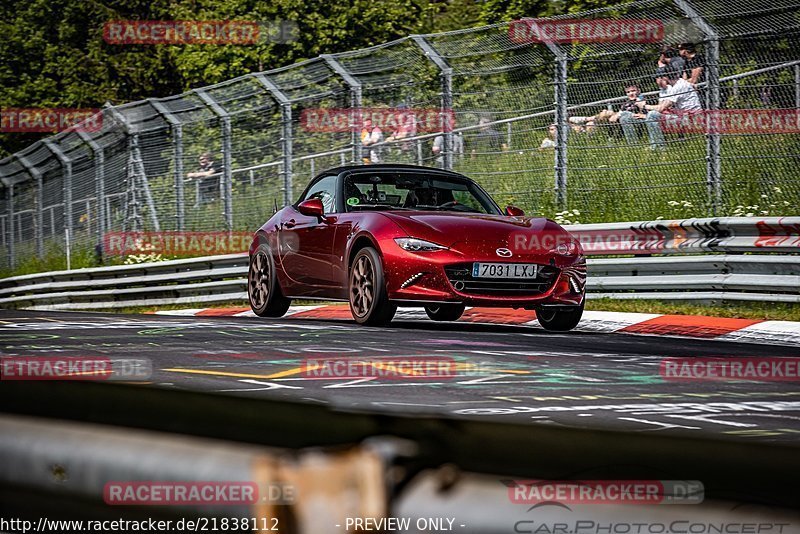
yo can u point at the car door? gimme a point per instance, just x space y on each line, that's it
306 243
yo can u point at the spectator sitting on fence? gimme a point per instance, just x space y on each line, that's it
488 139
629 113
695 64
208 177
588 125
679 97
371 136
438 147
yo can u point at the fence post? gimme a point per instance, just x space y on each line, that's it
3 217
227 176
446 72
286 126
10 206
562 123
713 144
562 133
797 86
177 140
99 181
355 102
66 166
36 174
136 156
714 140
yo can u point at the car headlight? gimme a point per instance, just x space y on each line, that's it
413 244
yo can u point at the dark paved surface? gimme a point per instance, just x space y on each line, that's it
514 373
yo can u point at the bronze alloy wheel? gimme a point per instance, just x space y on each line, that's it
263 291
362 286
369 301
258 280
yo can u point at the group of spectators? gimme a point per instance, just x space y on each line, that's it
487 139
680 69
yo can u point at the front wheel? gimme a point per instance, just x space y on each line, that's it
560 320
445 312
263 291
369 300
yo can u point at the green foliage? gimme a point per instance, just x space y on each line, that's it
53 54
505 10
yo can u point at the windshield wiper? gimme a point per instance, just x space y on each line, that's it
384 206
456 207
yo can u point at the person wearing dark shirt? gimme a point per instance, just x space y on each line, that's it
208 186
671 57
694 69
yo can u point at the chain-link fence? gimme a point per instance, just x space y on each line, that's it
539 123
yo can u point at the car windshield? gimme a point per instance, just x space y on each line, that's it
414 191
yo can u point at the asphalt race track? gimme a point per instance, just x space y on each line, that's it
510 373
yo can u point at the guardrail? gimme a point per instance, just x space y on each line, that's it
76 466
723 259
718 234
757 470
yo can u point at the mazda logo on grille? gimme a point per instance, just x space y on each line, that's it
503 252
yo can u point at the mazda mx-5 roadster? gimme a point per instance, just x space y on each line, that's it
383 236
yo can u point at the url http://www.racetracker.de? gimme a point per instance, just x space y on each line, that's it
198 524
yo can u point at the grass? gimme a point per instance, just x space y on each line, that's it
744 310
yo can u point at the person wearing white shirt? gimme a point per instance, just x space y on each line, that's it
679 96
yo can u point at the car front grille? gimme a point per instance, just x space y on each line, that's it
460 276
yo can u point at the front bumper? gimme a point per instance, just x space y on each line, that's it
445 276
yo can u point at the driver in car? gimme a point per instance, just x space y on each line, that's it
428 196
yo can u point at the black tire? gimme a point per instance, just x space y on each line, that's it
445 312
369 300
263 291
560 320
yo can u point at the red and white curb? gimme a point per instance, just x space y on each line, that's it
695 326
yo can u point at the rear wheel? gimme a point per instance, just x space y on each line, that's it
445 312
560 319
263 291
369 300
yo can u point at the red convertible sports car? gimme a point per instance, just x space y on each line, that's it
383 236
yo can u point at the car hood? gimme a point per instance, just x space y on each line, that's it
450 228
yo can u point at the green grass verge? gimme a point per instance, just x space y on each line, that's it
743 310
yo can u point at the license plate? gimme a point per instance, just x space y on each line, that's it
504 270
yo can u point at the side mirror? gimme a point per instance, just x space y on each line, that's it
311 207
513 211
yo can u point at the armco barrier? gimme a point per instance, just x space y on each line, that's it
722 234
741 259
97 463
98 450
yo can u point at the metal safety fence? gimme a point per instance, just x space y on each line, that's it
707 260
537 122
